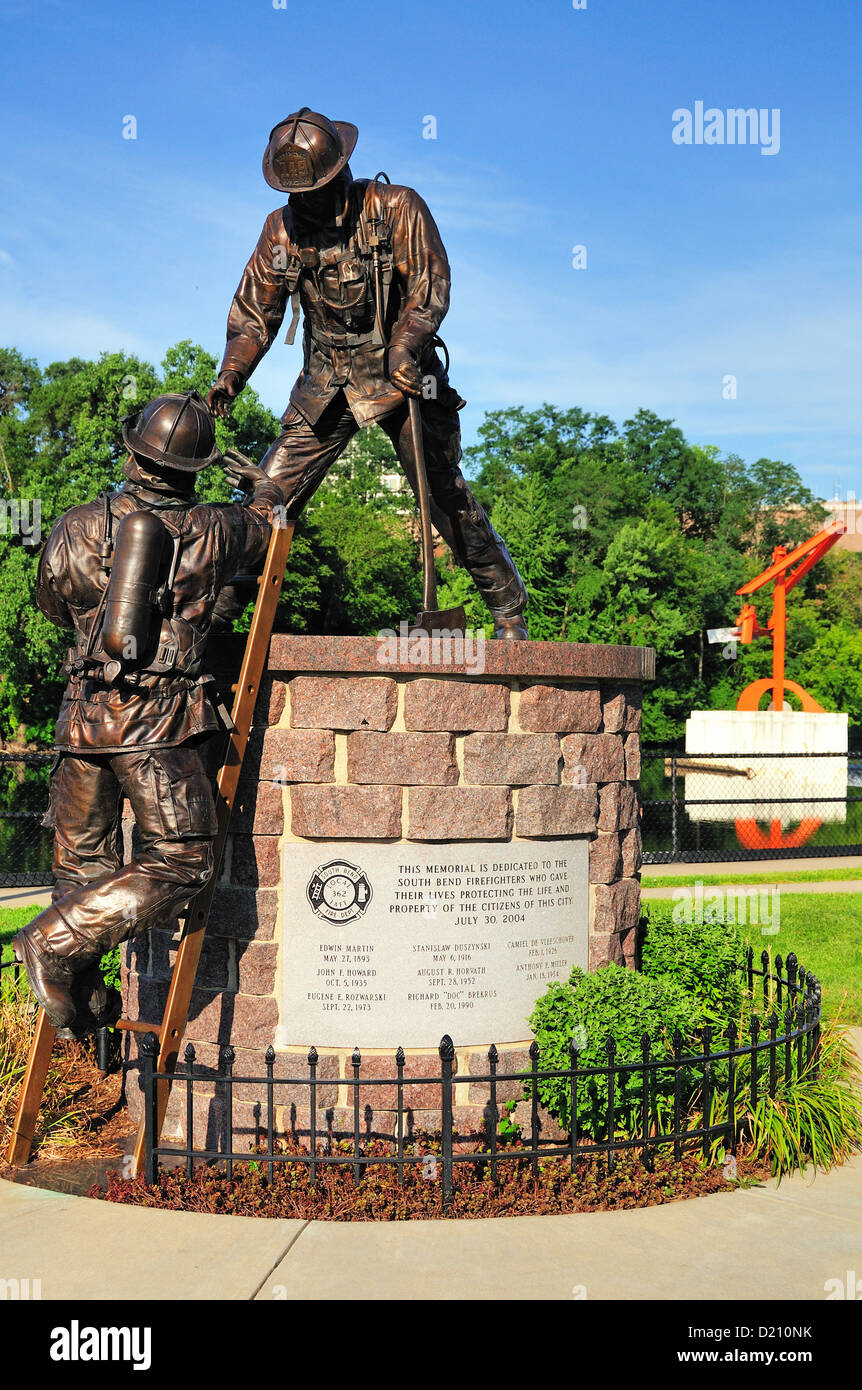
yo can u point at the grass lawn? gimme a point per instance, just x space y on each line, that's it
12 919
655 879
825 931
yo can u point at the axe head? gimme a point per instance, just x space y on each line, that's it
440 621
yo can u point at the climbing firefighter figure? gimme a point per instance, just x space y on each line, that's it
136 575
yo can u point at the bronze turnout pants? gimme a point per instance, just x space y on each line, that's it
99 900
302 455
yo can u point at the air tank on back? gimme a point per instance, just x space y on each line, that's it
131 606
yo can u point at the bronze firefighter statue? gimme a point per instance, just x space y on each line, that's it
364 261
136 574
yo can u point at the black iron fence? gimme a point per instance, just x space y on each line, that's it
25 844
699 807
783 1043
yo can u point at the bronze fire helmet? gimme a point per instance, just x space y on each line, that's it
174 431
306 151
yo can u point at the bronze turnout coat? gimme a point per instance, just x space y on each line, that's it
156 710
340 348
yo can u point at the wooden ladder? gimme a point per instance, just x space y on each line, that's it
172 1027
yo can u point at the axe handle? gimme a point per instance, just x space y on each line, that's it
429 579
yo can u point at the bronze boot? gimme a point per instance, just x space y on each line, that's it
511 629
53 955
96 1006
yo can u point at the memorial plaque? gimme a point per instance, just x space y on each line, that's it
388 944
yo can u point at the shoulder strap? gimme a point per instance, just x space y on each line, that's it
294 258
106 548
379 238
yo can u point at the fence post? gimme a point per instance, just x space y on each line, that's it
447 1056
706 1035
148 1054
493 1058
103 1049
815 1051
677 1095
574 1053
772 1025
399 1065
779 961
749 968
312 1113
190 1108
534 1109
611 1050
731 1087
227 1056
764 961
755 1032
800 1041
356 1063
645 1075
788 1045
674 811
269 1058
791 976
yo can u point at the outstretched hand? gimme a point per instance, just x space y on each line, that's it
242 471
220 397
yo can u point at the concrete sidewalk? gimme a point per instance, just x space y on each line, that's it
774 867
772 1242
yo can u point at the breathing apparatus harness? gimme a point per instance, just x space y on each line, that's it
136 597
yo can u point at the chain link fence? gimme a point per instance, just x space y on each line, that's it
25 844
699 807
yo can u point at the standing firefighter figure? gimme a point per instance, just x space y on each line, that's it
365 262
136 574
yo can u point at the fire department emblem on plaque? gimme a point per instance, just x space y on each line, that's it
338 891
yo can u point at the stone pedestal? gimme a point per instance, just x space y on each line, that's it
456 827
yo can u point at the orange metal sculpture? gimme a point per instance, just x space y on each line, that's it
804 557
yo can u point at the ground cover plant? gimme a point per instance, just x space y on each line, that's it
380 1197
76 1095
693 978
60 1119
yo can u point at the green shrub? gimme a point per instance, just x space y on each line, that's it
618 1003
705 959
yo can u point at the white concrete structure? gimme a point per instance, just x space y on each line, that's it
743 744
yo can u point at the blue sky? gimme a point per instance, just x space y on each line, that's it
554 129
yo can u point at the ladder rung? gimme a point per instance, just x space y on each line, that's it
128 1025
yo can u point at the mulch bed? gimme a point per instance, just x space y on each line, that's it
100 1136
380 1197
